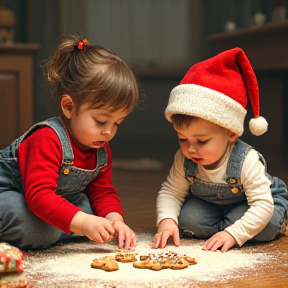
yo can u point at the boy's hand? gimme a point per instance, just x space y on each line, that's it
221 239
125 236
96 228
166 228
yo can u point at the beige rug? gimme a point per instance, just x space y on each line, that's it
142 164
68 265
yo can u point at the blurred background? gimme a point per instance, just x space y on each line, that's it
160 40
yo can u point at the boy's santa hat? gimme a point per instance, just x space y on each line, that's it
218 90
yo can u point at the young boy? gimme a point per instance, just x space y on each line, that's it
218 188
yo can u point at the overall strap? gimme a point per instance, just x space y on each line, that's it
190 169
235 162
60 130
102 157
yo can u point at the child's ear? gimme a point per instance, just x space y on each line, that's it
67 106
233 136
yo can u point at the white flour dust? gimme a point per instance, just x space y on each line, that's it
73 266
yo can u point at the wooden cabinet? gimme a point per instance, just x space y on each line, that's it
16 90
266 45
267 49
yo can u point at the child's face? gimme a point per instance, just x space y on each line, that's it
93 128
204 142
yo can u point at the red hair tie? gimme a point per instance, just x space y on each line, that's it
82 43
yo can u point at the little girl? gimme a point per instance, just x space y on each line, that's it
55 180
218 188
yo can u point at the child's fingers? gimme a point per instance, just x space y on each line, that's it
164 239
227 245
100 235
105 235
156 240
126 241
176 239
96 237
126 238
130 240
109 228
121 237
134 241
161 239
209 244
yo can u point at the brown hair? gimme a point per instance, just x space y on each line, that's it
179 120
93 74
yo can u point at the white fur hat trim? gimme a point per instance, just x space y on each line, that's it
208 104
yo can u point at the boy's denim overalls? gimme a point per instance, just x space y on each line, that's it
211 207
18 225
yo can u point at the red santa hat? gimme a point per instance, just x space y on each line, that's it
218 90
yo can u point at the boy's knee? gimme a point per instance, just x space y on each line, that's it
276 225
187 218
195 227
269 233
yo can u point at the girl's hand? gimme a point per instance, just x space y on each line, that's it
97 229
166 228
221 239
125 236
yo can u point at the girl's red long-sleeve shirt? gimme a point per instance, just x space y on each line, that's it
40 157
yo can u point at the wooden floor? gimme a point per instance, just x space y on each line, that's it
138 191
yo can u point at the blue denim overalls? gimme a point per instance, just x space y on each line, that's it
18 225
212 207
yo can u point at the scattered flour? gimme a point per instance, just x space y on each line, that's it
71 267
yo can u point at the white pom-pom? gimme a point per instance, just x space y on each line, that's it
258 126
